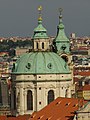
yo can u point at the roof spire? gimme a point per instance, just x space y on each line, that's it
61 26
60 10
40 14
60 16
61 41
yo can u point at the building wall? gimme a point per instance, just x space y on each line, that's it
40 86
40 41
84 113
20 51
83 116
86 94
43 77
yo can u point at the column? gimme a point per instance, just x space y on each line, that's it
21 101
25 100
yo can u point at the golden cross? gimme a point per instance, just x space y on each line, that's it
40 9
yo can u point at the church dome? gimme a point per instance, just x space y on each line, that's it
40 63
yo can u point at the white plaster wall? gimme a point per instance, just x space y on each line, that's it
44 77
55 82
84 116
56 87
40 41
23 88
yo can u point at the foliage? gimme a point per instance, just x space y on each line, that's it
10 46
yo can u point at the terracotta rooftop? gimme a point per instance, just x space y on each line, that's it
82 73
83 48
59 109
3 117
3 53
23 117
86 87
76 79
80 88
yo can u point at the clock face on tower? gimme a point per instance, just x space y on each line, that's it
63 47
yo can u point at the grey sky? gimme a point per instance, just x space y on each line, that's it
19 17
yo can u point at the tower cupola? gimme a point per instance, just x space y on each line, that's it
41 41
61 41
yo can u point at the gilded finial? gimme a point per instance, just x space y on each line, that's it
40 14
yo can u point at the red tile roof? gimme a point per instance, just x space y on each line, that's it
82 73
86 87
3 117
4 53
76 79
80 88
59 109
23 117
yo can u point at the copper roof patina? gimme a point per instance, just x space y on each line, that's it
40 63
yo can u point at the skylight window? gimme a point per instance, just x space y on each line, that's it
67 104
58 103
38 118
74 105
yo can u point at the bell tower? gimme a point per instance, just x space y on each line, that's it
61 42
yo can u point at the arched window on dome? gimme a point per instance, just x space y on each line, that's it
50 96
42 45
29 100
37 45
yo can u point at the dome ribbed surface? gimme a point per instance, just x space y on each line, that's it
40 63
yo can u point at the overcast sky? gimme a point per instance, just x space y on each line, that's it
19 17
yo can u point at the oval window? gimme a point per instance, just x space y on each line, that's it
28 66
49 66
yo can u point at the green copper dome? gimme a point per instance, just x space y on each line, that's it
40 63
40 31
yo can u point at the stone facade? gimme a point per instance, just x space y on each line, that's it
83 113
41 76
40 85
